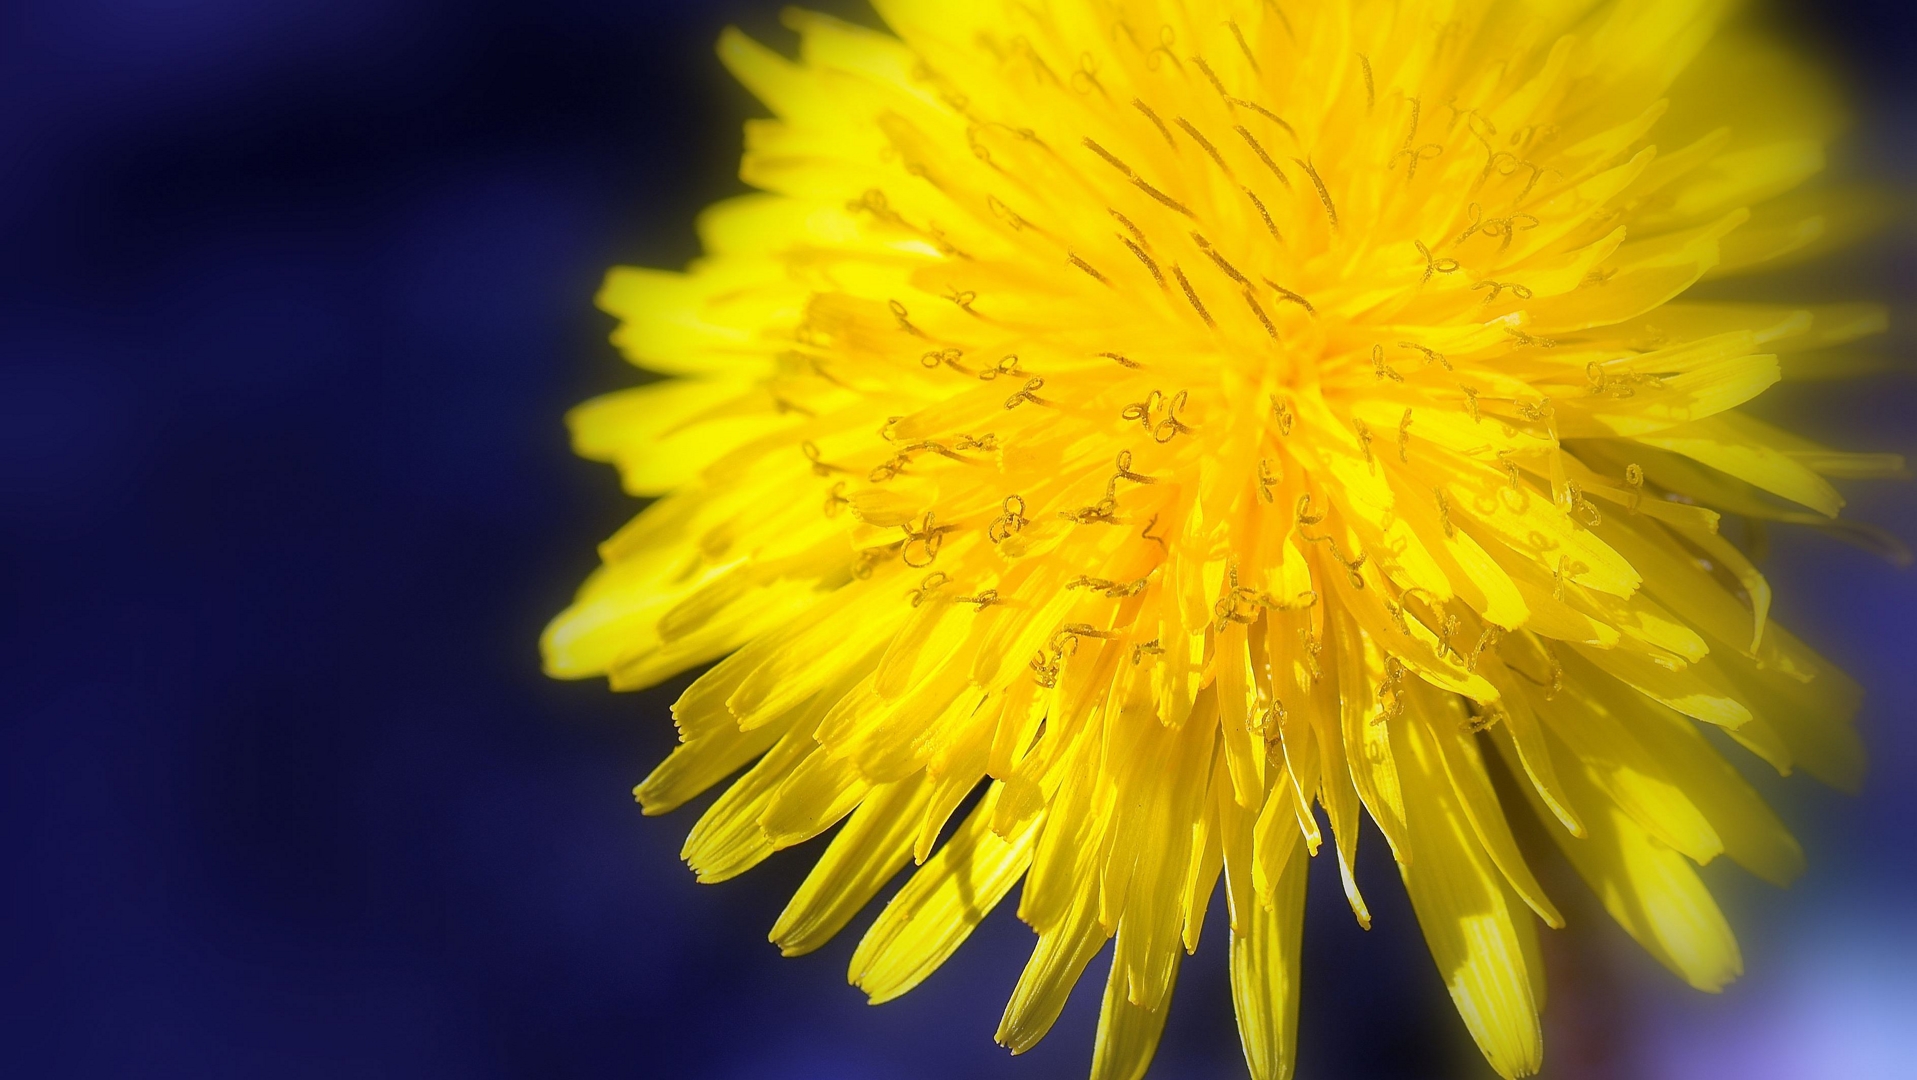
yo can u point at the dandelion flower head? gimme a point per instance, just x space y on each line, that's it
1196 424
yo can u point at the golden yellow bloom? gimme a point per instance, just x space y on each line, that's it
1175 415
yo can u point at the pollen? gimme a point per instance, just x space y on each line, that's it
1114 435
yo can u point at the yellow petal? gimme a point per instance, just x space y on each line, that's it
1468 923
1593 720
700 762
941 905
1128 1033
1651 891
874 844
1264 976
1458 751
727 841
1056 962
819 792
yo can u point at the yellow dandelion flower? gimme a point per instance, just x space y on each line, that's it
1178 419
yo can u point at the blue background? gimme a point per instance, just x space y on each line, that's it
294 296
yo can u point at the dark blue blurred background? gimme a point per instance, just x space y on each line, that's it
295 293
